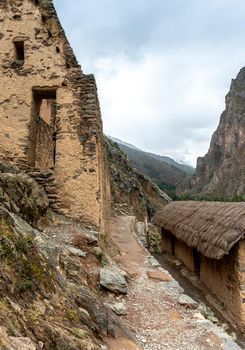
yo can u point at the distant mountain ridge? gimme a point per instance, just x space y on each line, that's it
188 169
162 170
120 142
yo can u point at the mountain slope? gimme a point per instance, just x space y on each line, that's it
158 171
165 176
221 172
182 166
188 169
49 274
130 190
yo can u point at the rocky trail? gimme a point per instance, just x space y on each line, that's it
91 281
162 316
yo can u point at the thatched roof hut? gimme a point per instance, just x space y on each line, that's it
213 228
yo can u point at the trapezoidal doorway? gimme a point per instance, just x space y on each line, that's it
42 134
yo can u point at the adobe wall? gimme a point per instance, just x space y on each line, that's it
170 244
185 254
50 65
167 241
241 274
222 279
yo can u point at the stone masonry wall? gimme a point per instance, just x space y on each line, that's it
50 70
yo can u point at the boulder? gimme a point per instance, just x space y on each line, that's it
23 196
15 343
77 252
22 343
113 279
187 301
106 320
6 167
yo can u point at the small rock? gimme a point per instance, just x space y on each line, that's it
159 276
213 319
113 280
187 301
205 323
98 251
177 286
41 344
122 272
199 316
84 312
225 326
92 237
77 252
103 347
153 262
177 263
205 310
120 309
39 240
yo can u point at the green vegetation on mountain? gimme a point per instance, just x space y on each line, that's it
165 175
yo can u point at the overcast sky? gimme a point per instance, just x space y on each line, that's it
163 67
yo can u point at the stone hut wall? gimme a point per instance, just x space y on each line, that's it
50 70
170 244
241 274
222 279
185 254
167 242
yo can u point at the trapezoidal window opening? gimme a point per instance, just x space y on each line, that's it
42 132
19 50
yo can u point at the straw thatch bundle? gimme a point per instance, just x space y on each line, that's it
213 228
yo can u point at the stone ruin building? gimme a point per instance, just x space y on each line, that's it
49 111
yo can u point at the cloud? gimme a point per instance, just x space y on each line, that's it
162 67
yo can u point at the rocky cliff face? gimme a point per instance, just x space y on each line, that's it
130 190
221 172
50 296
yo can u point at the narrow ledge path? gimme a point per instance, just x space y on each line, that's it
154 313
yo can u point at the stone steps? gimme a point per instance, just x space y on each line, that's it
46 179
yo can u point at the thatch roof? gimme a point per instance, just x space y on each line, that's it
213 228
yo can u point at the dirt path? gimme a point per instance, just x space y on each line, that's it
154 312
